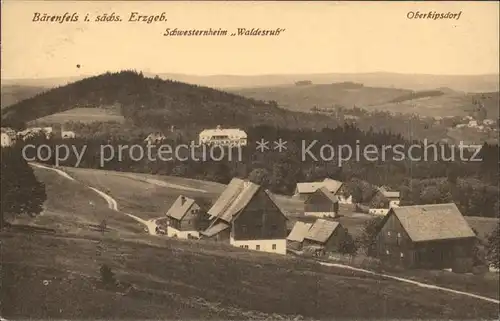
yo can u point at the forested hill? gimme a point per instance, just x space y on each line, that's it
155 102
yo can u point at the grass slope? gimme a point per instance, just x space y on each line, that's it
72 207
303 98
183 279
84 115
57 276
146 196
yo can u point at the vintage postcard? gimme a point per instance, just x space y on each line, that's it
249 160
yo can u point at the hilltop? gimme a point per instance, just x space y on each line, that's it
154 102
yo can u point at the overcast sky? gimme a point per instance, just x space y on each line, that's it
320 37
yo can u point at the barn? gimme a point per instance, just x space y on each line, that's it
435 236
326 235
245 215
322 203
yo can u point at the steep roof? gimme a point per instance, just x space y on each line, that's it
217 228
179 209
332 185
322 230
233 199
432 222
299 231
329 195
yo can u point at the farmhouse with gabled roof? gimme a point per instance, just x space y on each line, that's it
321 203
245 215
426 236
185 218
337 188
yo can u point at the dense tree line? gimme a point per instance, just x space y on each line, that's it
472 185
416 95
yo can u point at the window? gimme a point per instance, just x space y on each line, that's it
401 254
257 247
274 246
241 246
387 252
388 233
246 246
399 234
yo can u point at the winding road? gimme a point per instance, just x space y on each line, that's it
420 284
112 203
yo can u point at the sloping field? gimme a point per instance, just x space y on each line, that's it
445 105
84 115
191 280
146 196
303 98
71 206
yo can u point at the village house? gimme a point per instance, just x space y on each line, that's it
245 215
296 237
8 136
321 203
186 218
433 236
67 134
488 122
337 188
154 139
223 137
383 201
325 235
472 123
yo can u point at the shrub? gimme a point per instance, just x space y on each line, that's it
107 276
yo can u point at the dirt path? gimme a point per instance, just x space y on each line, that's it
420 284
112 203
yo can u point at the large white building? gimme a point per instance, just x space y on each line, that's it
223 137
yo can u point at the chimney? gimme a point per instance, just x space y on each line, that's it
183 200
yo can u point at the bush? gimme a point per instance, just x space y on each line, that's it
107 276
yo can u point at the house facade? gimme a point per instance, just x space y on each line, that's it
433 236
185 218
383 201
7 140
246 216
223 137
321 203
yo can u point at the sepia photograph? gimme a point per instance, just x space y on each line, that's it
250 160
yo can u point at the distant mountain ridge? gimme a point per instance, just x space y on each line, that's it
465 83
